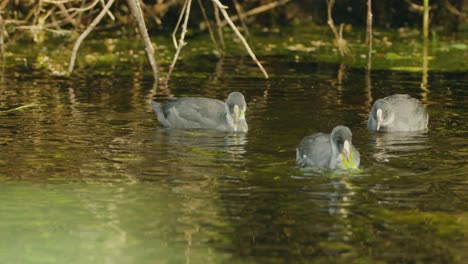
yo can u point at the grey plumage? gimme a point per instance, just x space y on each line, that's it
398 112
331 151
205 113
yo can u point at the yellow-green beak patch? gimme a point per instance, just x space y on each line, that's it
348 164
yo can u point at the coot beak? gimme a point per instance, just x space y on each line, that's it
380 119
346 149
235 118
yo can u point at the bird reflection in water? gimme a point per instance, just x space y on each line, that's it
398 144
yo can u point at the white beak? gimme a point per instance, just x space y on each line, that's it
380 119
346 149
235 118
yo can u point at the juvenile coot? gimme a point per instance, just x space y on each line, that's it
332 151
205 113
398 112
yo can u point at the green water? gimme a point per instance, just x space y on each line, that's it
88 176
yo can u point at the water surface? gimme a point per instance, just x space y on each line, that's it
88 176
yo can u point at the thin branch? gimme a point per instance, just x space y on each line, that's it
14 22
414 7
259 10
82 9
330 22
18 108
3 4
222 8
151 13
68 17
2 41
452 9
56 23
184 8
219 26
86 33
369 34
36 12
109 13
208 25
181 39
57 2
138 14
340 42
426 19
241 15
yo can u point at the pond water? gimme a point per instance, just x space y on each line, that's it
88 176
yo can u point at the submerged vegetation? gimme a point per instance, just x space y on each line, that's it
404 45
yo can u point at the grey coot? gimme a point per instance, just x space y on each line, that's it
199 112
398 112
332 151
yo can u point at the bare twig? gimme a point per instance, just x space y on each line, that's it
181 39
184 8
369 34
79 18
82 9
219 26
151 13
258 10
340 42
14 22
414 7
36 12
67 14
18 108
425 71
54 23
57 2
109 13
452 9
426 19
2 41
222 8
138 14
368 90
86 33
240 13
3 4
208 25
